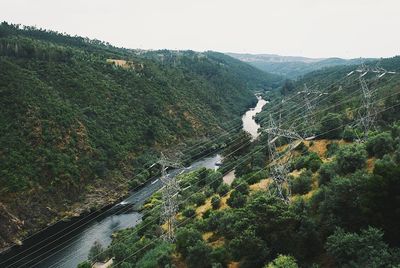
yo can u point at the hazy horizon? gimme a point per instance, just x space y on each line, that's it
307 28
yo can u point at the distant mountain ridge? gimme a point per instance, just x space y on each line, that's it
293 66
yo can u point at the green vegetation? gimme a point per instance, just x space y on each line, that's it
343 211
79 114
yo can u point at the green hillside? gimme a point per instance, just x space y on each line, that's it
292 67
343 206
79 116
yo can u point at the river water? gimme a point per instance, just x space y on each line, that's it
72 246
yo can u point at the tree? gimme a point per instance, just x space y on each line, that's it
302 184
186 237
236 199
215 202
250 247
189 212
221 256
241 186
350 158
326 173
199 255
366 249
380 144
283 261
199 199
223 189
214 179
331 126
85 264
159 256
349 134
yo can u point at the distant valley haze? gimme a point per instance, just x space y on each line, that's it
309 28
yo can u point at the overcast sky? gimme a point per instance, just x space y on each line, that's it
313 28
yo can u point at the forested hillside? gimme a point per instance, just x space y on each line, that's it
341 189
80 119
292 67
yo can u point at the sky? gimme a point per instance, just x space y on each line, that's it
311 28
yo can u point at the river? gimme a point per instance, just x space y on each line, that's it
73 248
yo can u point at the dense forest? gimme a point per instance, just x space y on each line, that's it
343 188
80 119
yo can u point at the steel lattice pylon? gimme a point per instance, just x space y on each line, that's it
367 114
279 169
170 192
308 115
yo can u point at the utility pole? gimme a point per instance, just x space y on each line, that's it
170 192
279 164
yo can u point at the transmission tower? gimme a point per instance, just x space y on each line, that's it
170 192
308 116
279 163
367 114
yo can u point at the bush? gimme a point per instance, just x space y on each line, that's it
350 158
85 264
189 212
283 261
331 126
236 200
199 199
241 186
310 161
366 249
331 149
380 144
186 237
302 184
160 256
349 134
214 179
199 255
220 256
215 202
326 173
223 189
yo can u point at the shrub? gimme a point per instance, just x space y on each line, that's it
380 144
302 184
241 185
331 149
331 126
236 199
160 256
214 179
326 173
186 237
310 161
223 189
349 134
350 158
189 212
85 264
366 249
220 256
283 261
199 255
199 199
215 202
